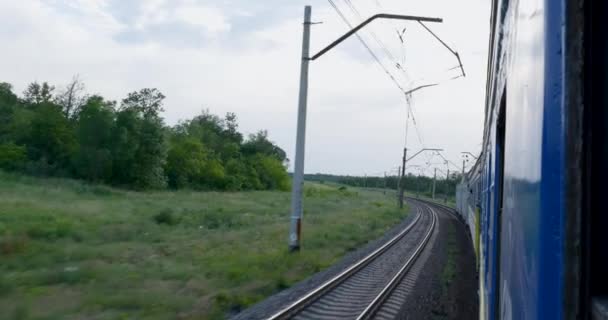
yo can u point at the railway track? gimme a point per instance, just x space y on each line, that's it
375 286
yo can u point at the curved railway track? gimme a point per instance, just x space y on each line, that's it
373 287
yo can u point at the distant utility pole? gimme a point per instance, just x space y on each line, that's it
398 189
402 179
295 229
447 183
463 163
384 191
434 179
401 190
419 184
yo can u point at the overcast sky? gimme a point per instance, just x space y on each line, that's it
243 56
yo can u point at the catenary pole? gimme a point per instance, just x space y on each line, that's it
398 176
402 179
447 183
401 186
298 173
463 162
434 178
384 191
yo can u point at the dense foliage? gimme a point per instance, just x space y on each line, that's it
66 133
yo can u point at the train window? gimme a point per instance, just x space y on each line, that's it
595 218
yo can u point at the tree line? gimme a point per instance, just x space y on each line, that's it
64 132
412 183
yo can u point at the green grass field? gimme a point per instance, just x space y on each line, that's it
69 250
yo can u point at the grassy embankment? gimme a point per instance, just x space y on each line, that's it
74 251
438 199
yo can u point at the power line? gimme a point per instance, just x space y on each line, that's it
371 52
373 34
449 161
397 65
400 36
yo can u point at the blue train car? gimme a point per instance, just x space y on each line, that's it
534 200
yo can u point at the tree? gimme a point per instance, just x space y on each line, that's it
231 128
125 143
51 140
150 155
186 161
7 97
8 102
271 172
70 134
93 157
36 93
140 150
259 143
71 97
12 157
148 102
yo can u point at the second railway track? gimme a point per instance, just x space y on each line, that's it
370 287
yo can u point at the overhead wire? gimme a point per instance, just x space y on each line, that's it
398 65
449 161
371 52
372 33
408 97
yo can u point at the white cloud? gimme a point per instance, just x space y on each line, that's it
152 12
212 19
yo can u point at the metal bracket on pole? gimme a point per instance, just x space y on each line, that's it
364 23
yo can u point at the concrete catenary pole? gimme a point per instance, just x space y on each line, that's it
447 183
295 229
463 162
398 176
418 184
402 179
434 178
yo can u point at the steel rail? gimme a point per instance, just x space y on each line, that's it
371 309
312 295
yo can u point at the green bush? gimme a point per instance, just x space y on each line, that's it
220 219
167 216
50 230
12 244
12 157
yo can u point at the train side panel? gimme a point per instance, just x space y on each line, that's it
521 247
532 218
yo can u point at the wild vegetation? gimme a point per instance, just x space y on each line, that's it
66 133
75 250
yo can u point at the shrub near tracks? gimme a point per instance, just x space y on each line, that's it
71 250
